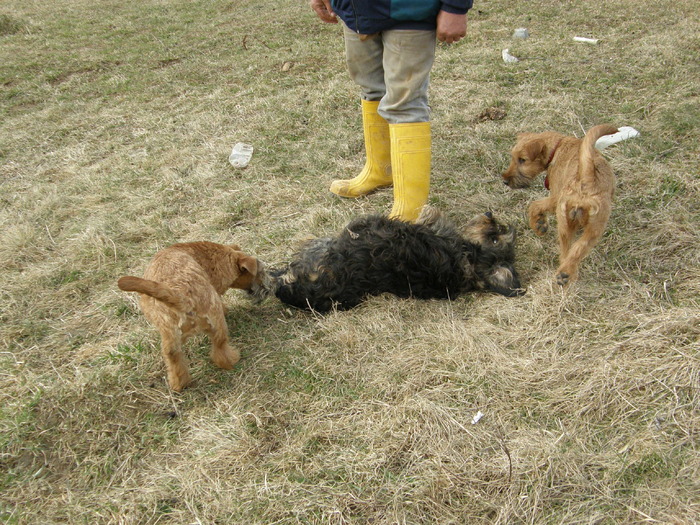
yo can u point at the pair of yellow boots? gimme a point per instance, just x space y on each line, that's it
397 154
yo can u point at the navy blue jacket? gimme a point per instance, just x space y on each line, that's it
373 16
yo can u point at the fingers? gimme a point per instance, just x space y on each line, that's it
323 9
449 39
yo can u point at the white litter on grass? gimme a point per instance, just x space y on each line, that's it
240 155
477 417
521 32
586 40
507 57
623 133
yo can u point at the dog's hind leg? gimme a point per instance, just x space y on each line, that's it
571 259
538 215
175 359
429 215
566 230
222 354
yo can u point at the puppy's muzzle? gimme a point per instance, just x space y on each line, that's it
262 287
516 181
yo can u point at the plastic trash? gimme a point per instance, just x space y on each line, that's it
521 32
477 417
507 57
240 155
623 133
586 40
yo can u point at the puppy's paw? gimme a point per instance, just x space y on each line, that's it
541 226
563 279
179 379
226 357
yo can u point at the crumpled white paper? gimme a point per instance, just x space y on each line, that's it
507 57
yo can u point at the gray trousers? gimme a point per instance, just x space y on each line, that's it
394 68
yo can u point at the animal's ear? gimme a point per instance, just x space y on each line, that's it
235 247
504 280
534 149
248 263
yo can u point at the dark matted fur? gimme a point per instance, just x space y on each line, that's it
375 254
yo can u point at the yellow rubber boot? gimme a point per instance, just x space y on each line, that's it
377 170
410 161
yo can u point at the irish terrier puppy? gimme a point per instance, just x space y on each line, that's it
181 295
581 186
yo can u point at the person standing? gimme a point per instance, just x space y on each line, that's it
390 50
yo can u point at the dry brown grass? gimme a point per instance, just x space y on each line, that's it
116 122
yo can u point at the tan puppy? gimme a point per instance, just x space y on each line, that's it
181 295
581 186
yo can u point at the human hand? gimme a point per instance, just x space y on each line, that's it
451 27
324 11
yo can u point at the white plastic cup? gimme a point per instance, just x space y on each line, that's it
240 155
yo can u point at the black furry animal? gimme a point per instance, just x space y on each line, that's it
375 254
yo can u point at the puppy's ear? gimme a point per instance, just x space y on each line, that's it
534 149
504 280
235 247
248 263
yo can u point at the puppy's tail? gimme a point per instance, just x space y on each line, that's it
581 209
152 288
586 162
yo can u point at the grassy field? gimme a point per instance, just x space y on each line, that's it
116 121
